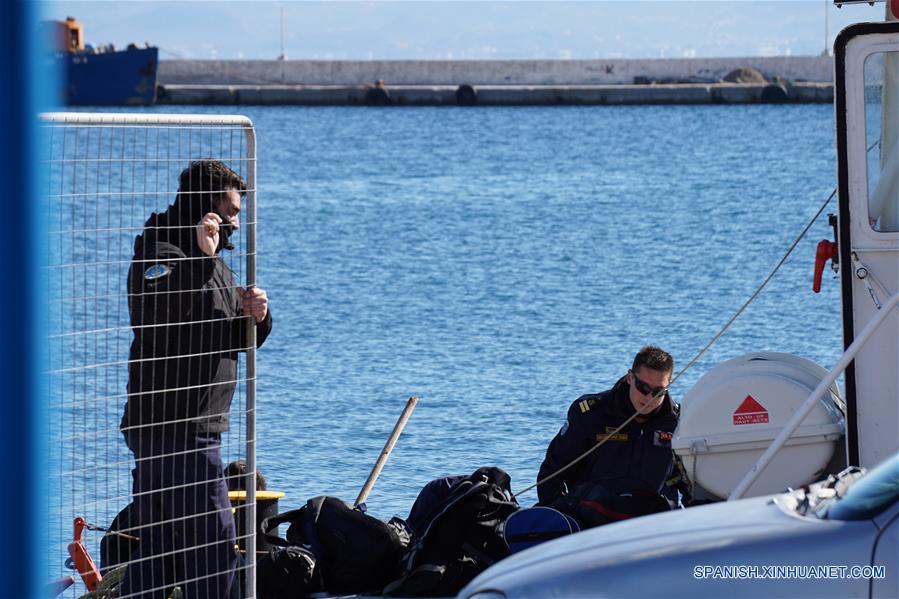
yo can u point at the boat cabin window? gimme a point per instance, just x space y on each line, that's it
882 134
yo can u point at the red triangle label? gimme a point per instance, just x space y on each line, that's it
750 412
750 406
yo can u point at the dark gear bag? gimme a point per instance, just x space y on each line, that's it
287 573
119 542
431 495
602 502
290 570
459 537
355 552
122 540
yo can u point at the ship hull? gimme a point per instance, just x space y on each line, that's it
125 78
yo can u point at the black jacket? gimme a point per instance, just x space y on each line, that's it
188 328
639 455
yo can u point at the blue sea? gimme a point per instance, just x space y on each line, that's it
499 262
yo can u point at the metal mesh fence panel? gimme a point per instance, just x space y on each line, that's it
151 360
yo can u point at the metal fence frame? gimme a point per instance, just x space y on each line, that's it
87 119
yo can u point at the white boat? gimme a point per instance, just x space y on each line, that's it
755 423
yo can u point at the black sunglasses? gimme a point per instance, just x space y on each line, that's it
644 387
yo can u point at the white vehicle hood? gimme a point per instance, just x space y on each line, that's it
657 554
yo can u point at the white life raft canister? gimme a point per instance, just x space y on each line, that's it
736 409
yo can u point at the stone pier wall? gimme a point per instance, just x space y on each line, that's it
486 72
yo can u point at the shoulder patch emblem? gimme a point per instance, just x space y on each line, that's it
564 429
662 439
156 272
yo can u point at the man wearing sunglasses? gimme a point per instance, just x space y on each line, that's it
639 455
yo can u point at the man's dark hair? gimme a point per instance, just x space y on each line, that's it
203 183
655 358
209 175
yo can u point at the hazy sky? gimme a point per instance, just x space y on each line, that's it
456 29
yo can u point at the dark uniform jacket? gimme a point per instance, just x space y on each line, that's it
188 329
639 455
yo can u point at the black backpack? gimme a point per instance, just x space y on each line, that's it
122 539
287 573
354 552
459 538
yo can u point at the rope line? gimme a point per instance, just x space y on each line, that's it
117 533
701 352
757 291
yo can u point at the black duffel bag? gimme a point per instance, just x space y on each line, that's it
354 552
287 573
456 522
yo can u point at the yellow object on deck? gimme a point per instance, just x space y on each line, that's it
237 496
266 506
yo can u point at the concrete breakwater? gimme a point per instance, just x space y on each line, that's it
494 82
721 93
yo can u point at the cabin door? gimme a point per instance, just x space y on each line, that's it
867 114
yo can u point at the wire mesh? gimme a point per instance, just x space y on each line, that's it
164 341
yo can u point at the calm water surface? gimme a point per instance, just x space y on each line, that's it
499 262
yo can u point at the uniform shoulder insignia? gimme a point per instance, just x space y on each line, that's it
156 272
586 404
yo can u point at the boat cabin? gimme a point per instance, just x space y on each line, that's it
64 36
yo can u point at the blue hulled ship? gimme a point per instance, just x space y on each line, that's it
101 76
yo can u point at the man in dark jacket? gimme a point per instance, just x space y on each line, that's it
189 320
637 457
